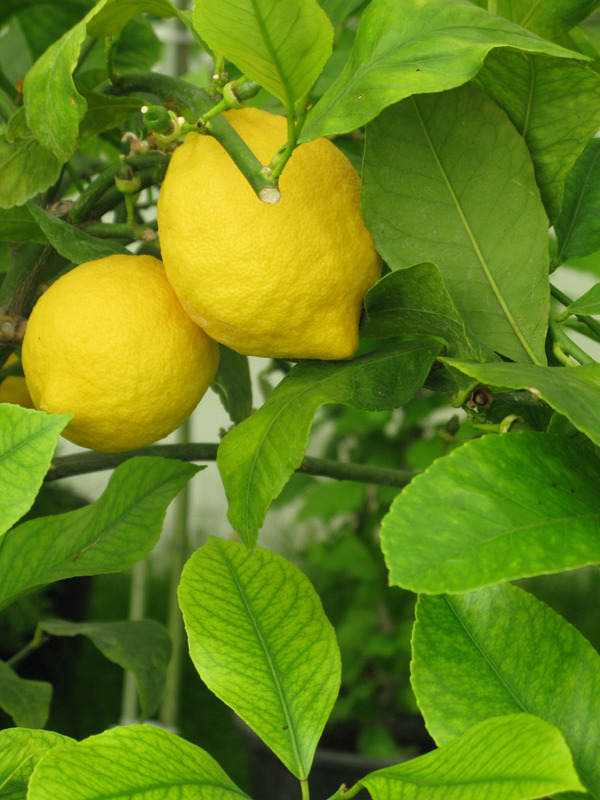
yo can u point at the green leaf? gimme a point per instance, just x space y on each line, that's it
28 440
516 757
501 651
72 242
406 47
281 46
41 28
555 106
261 642
258 456
547 18
497 508
27 702
109 535
233 385
415 301
105 112
132 761
141 646
578 227
53 106
17 225
20 751
572 391
26 168
446 178
588 304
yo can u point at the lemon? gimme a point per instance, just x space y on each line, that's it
283 280
110 343
14 389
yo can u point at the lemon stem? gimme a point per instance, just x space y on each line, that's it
193 103
83 463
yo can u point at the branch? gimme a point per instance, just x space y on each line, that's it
91 461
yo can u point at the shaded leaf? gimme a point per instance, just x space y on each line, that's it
71 242
547 18
105 112
28 440
258 456
516 757
572 391
132 761
141 646
261 642
109 535
20 751
497 508
27 702
17 225
281 46
501 651
406 47
578 227
26 168
555 106
233 385
446 178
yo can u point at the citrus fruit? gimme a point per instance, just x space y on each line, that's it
13 389
110 343
282 280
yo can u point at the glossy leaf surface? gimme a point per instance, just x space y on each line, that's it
109 535
501 651
446 178
497 508
406 47
261 642
516 757
258 456
27 443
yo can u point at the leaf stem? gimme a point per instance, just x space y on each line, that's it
190 98
305 789
83 463
568 345
591 323
37 640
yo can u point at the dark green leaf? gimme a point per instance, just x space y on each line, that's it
111 534
141 646
140 761
27 443
258 456
17 225
405 47
572 391
26 168
554 104
20 751
111 16
42 27
446 178
578 227
281 46
261 642
547 18
516 757
497 508
232 384
501 651
71 242
27 702
105 112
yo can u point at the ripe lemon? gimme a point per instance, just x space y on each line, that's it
14 389
110 343
283 280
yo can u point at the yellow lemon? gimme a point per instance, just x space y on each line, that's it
14 389
282 280
110 343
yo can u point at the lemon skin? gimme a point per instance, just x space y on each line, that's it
14 388
110 343
284 280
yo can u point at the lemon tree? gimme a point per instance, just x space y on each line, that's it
371 229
